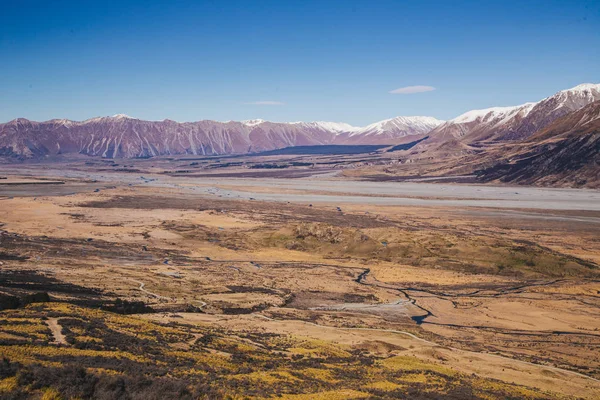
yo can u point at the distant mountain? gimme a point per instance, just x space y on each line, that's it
480 128
564 153
335 127
121 136
394 130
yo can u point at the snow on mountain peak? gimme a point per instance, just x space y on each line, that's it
583 87
418 123
121 116
334 127
492 113
253 122
576 97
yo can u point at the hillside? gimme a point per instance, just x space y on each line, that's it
566 153
478 129
121 136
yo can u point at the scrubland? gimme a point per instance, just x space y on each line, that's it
140 291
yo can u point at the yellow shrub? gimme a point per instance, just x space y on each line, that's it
51 394
384 385
329 395
8 384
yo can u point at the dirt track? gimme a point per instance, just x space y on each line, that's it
56 329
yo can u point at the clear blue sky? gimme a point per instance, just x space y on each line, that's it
324 60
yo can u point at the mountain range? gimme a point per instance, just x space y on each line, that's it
480 128
564 153
490 134
121 136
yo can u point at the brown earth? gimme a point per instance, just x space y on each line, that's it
477 290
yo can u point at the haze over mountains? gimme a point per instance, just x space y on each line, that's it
491 133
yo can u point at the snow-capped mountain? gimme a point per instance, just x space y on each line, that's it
393 130
252 122
336 127
493 114
401 125
565 153
499 124
560 104
121 136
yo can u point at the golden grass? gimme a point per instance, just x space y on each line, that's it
386 386
87 339
51 394
308 346
404 363
268 377
328 395
30 353
320 374
482 385
214 360
8 384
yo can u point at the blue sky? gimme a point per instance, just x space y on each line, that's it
289 60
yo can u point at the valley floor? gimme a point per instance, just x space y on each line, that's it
164 286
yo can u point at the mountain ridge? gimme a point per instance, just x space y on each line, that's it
565 152
122 136
501 124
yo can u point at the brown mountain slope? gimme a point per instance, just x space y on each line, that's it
565 153
124 137
478 129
